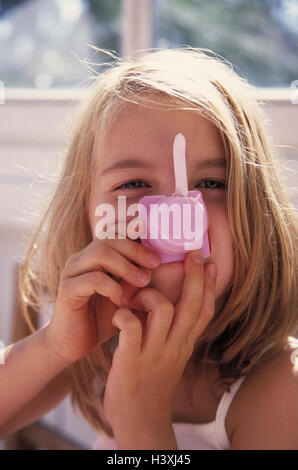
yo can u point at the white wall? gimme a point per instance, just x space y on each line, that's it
30 141
32 135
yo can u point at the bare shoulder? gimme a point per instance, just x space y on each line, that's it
265 410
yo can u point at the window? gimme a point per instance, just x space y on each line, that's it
44 42
258 37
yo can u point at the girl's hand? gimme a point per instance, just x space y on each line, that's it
149 362
81 317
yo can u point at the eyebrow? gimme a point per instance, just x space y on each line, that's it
134 163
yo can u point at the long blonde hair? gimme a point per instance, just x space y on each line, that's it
260 312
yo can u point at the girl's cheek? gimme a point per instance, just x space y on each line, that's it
168 280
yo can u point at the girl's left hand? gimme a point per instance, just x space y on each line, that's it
150 357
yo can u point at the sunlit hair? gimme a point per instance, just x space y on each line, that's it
260 311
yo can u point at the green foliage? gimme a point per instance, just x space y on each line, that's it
104 11
250 34
107 16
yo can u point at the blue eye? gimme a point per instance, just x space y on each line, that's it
134 184
124 185
213 184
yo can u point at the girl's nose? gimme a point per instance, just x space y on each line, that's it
167 188
167 191
166 183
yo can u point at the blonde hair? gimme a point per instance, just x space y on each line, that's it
260 312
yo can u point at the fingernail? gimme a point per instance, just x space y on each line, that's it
197 257
212 270
143 276
153 259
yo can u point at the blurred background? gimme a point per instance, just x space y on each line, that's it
42 40
45 56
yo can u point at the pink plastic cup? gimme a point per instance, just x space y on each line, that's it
174 225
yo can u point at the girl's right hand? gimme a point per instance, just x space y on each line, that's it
82 316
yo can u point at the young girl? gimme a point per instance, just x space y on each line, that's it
165 355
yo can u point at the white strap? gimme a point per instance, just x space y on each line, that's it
222 410
294 357
180 166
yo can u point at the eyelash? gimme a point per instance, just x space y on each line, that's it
140 181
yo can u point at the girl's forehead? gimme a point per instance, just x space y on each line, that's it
139 126
144 139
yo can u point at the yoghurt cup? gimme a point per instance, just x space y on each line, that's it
174 225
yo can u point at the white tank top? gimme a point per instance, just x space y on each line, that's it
190 436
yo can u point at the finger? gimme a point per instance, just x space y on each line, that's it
128 291
112 262
78 289
208 307
111 256
104 311
130 337
190 302
159 318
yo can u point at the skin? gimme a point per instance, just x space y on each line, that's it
141 133
149 362
142 401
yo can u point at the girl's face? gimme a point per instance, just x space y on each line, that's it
147 136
